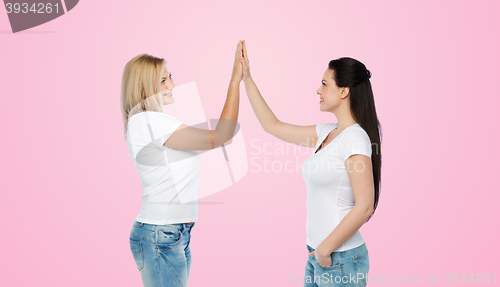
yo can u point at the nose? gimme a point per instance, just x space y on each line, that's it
171 84
318 91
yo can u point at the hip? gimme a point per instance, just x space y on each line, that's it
349 268
165 237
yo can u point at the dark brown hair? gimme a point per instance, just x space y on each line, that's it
348 72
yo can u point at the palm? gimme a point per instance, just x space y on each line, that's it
244 61
237 67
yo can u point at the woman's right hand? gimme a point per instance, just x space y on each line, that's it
244 61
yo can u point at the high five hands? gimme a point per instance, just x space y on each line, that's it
241 68
244 61
237 75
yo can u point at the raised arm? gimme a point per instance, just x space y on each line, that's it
190 138
295 134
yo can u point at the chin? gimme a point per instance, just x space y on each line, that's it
325 110
168 100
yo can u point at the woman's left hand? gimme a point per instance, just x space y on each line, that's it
237 75
323 261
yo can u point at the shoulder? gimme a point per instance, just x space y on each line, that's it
159 115
323 128
150 115
161 118
355 134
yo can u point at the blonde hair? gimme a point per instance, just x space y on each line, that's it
141 86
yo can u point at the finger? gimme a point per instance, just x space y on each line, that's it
243 60
243 63
311 253
242 50
245 54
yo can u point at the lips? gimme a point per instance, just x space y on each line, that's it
321 100
169 94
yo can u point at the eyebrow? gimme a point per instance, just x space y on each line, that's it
166 77
323 80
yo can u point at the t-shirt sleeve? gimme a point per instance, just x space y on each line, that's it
355 141
319 131
161 127
319 128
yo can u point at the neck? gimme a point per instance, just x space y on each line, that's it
344 118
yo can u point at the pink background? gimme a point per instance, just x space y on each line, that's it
69 191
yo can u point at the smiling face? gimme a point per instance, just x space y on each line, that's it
167 85
331 96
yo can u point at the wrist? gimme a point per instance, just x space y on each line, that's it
247 78
323 251
234 82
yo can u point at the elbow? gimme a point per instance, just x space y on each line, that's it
370 212
229 141
367 210
269 128
222 142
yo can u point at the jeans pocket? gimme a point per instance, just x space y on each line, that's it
138 253
168 238
330 268
188 241
328 276
361 267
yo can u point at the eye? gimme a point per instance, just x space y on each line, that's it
323 84
163 82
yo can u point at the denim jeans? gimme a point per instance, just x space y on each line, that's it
349 268
162 253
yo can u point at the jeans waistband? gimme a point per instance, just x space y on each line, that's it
179 226
350 252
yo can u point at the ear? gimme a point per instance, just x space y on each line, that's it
345 92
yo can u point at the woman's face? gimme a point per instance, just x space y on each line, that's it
167 85
330 94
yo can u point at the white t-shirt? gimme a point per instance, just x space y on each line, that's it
329 193
169 176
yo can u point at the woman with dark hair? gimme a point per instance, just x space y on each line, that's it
342 175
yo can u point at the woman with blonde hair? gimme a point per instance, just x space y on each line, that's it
342 175
161 233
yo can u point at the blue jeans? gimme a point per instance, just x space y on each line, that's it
162 253
349 268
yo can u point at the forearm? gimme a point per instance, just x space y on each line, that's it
264 114
347 227
226 125
230 110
